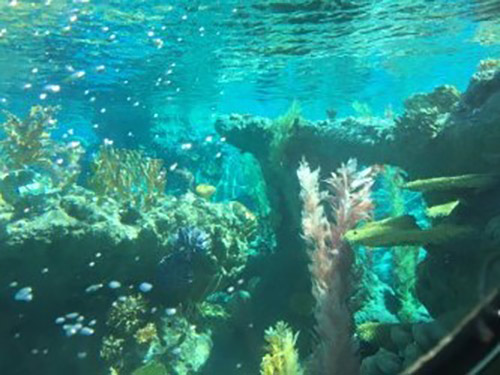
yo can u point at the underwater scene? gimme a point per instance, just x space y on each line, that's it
273 187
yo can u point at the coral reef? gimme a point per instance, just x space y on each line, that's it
92 248
453 161
426 115
281 356
182 347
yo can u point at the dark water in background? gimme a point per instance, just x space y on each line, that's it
154 75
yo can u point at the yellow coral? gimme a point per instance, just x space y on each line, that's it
205 190
282 357
128 176
146 334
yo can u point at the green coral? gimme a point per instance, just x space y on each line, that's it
128 176
112 349
282 357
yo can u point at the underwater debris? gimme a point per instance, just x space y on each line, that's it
128 176
281 356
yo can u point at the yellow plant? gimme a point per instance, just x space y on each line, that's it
282 357
128 176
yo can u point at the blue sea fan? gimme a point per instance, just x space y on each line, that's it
185 264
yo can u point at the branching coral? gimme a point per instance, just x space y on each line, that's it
127 315
28 145
28 142
332 258
281 357
128 176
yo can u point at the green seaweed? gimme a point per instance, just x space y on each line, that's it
283 128
405 258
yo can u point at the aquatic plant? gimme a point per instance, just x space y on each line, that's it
332 258
282 130
281 356
405 258
128 176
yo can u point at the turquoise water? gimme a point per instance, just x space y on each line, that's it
152 219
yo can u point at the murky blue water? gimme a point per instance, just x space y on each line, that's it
151 218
